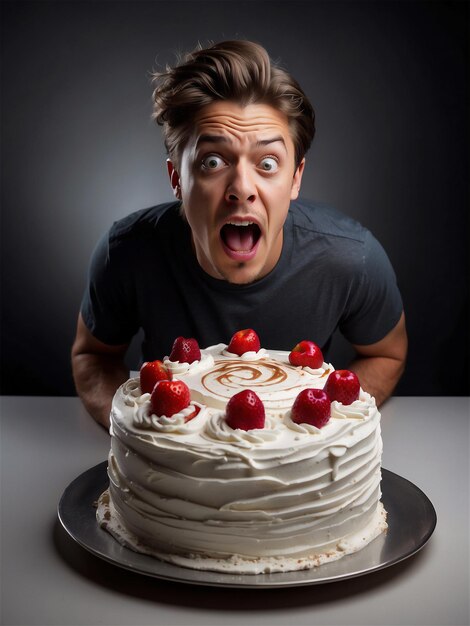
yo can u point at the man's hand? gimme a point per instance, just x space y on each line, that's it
98 370
380 365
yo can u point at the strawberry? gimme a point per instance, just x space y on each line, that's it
307 354
244 341
312 406
169 397
150 373
185 350
245 410
343 386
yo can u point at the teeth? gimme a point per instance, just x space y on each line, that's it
240 223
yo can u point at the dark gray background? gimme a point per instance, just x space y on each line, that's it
389 83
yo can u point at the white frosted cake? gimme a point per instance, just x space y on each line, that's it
193 490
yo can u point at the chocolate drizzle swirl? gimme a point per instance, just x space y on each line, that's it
233 375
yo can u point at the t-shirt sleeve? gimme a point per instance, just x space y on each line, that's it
108 304
375 304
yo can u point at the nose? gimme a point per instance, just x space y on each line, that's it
241 187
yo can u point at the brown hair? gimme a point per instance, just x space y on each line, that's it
240 71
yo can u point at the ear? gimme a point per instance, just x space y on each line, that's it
297 180
174 178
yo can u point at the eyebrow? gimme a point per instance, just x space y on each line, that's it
266 142
212 139
222 139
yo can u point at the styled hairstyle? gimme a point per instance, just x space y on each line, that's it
239 71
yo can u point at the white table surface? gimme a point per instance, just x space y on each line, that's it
48 579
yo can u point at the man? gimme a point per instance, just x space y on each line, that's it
238 248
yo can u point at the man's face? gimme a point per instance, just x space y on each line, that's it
236 178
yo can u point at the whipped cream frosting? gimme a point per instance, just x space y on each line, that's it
177 368
204 495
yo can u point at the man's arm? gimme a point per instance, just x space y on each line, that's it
380 365
98 370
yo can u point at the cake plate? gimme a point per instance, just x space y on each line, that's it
411 519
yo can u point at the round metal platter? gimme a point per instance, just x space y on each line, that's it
411 520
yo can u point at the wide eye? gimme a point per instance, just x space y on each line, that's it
212 162
269 164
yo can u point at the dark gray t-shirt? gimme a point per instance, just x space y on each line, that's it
332 274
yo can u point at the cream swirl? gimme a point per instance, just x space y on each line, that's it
303 428
178 423
251 355
178 368
131 392
320 372
361 409
217 429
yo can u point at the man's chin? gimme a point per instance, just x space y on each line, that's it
242 274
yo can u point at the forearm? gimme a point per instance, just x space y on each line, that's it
96 379
378 375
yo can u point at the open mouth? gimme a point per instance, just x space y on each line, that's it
240 237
